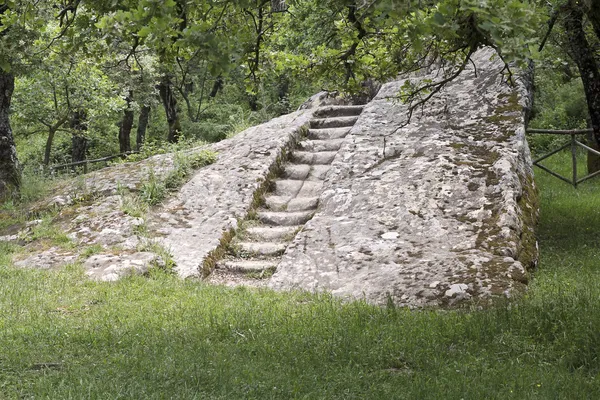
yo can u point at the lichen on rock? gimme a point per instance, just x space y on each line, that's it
434 213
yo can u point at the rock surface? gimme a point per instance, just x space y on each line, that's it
51 258
103 222
109 267
189 224
192 223
432 213
289 201
108 181
324 98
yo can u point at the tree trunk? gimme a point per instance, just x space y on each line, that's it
52 129
10 176
51 133
126 126
78 140
253 102
141 128
593 159
583 55
79 145
217 86
593 13
165 89
254 63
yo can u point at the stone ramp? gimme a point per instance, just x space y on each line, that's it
434 213
189 225
291 201
192 223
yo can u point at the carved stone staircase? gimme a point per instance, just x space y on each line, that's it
292 200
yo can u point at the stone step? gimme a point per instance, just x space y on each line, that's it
321 145
328 133
298 203
284 218
338 111
287 187
306 172
313 158
318 172
264 249
296 171
303 203
248 265
274 233
277 203
337 122
310 189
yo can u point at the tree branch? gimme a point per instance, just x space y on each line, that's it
551 23
435 88
345 57
64 23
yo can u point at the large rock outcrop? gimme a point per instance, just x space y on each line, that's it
93 207
432 213
193 223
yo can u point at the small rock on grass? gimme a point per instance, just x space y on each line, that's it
110 267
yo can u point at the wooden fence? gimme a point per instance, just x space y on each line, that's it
85 163
573 144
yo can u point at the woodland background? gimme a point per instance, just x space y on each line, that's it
87 79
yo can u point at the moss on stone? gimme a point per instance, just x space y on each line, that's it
457 146
210 261
465 219
498 119
511 103
529 206
473 186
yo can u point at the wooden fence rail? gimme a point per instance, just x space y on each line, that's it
574 143
86 162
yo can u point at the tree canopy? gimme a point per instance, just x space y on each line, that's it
81 70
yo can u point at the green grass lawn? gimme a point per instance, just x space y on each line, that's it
64 337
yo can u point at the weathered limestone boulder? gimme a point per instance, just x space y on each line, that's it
103 222
108 181
324 98
436 212
51 258
192 223
9 238
18 231
110 267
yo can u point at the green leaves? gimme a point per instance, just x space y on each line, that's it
5 64
144 32
402 34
